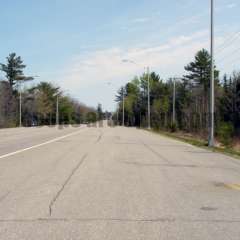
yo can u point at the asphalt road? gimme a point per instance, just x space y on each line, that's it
114 183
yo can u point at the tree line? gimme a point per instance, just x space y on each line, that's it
191 102
39 103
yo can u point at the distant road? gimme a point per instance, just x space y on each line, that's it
114 183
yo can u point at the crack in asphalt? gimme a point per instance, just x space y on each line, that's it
156 153
70 176
4 196
99 138
65 183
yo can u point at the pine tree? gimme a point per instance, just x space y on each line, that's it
198 80
13 69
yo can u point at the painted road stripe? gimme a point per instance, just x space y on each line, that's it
42 144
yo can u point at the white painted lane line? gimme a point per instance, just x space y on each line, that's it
42 144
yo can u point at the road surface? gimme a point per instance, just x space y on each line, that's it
114 183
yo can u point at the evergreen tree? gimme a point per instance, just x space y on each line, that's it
14 69
198 83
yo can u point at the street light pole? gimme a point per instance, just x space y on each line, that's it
117 116
123 115
123 106
174 101
20 105
19 79
57 111
211 130
148 90
149 110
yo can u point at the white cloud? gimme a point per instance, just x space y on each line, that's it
90 73
86 76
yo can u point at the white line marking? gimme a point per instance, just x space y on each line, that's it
42 144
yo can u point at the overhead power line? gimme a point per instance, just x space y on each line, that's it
234 60
230 40
226 57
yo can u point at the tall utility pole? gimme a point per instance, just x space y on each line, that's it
117 116
174 101
123 103
148 90
123 106
57 111
211 128
19 79
149 110
20 106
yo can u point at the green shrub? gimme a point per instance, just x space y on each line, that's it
91 117
225 133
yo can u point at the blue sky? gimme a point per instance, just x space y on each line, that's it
79 45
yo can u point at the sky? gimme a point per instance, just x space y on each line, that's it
79 45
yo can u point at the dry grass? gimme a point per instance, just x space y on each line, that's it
201 141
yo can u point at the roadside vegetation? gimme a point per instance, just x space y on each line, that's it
233 150
39 102
192 103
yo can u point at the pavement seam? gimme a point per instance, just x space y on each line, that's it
126 220
65 183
